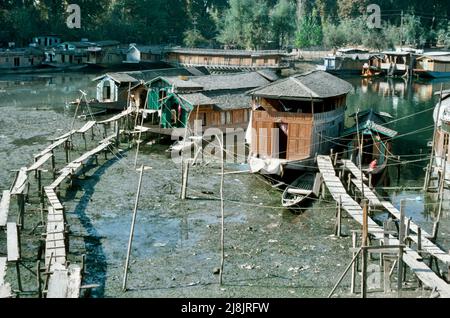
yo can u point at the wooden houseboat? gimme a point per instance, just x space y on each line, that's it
295 119
346 61
105 54
226 60
433 65
219 101
441 116
376 141
70 53
113 89
144 54
397 63
20 59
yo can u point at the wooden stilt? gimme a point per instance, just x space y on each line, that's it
365 234
185 179
85 141
53 165
401 239
354 264
133 222
38 277
337 231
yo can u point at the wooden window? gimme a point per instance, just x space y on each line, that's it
17 61
246 111
222 118
204 119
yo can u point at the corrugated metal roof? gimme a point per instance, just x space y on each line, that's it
314 84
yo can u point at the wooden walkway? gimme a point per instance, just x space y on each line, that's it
50 148
123 114
86 127
20 182
410 257
40 162
5 288
55 243
348 164
4 207
12 242
64 282
427 245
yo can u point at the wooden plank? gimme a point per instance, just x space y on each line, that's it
40 162
118 116
58 282
12 242
73 287
20 182
353 169
86 127
427 245
51 147
368 193
65 136
2 270
4 207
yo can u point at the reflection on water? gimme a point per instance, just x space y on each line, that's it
411 103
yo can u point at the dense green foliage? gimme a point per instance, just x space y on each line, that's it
247 24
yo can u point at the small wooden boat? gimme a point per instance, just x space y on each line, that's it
304 187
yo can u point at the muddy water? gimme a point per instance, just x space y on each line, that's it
269 252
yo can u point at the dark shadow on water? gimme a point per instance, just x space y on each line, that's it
96 263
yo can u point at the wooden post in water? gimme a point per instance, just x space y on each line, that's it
365 234
184 180
38 277
401 239
53 165
354 267
337 231
133 222
222 212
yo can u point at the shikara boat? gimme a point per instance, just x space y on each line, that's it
304 187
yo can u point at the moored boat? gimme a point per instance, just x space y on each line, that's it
304 187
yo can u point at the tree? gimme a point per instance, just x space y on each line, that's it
193 38
309 32
283 22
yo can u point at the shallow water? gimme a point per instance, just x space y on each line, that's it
269 251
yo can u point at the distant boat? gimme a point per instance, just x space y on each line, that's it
304 187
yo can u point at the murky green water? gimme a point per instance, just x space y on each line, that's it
269 251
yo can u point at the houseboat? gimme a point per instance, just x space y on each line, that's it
226 60
114 90
433 65
105 54
218 101
376 142
20 59
441 118
295 119
346 61
397 63
144 54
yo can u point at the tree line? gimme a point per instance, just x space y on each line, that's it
241 24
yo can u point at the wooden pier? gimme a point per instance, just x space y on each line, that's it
63 280
410 257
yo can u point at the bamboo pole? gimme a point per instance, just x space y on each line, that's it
345 272
133 222
353 281
222 231
365 233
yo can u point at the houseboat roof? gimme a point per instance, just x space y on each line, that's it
200 51
440 58
396 53
157 49
352 49
371 121
223 100
310 85
121 78
246 80
148 75
105 43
